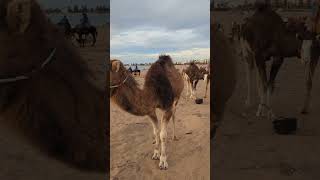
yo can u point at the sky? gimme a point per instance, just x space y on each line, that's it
142 30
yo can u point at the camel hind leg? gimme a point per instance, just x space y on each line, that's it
163 165
154 122
206 80
174 137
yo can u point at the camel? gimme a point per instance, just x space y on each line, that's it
162 89
192 75
46 94
265 36
223 65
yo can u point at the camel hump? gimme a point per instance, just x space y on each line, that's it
158 82
262 6
165 60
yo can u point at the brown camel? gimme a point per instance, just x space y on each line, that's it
223 65
193 75
46 95
265 35
162 89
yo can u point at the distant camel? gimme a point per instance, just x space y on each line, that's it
192 76
223 68
280 40
162 89
46 94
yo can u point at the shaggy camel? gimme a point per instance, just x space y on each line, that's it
46 95
279 41
192 75
223 65
162 89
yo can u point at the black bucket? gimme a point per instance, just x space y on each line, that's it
285 125
199 101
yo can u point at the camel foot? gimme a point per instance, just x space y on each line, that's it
163 165
156 155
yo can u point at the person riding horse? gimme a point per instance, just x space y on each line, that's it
64 22
130 69
84 21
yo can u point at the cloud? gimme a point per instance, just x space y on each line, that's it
149 28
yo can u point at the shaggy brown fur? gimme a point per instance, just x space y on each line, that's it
162 89
57 108
223 76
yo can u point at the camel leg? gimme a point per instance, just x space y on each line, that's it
163 165
186 78
276 64
191 89
206 80
263 83
309 77
173 120
154 122
249 73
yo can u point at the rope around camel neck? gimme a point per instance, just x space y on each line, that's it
23 77
118 85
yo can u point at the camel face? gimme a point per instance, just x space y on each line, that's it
21 30
118 75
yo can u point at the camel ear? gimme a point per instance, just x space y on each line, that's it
19 15
116 66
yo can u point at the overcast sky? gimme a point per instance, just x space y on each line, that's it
141 30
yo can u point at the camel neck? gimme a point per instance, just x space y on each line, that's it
131 98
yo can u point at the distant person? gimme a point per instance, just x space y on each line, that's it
130 69
136 68
64 21
84 21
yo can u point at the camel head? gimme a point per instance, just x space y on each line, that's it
203 71
22 36
118 75
296 25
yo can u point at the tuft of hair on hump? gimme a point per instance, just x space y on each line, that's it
165 59
192 63
262 6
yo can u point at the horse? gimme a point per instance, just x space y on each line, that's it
85 31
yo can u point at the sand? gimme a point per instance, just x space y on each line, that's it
246 147
21 161
132 148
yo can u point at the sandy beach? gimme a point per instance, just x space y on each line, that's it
20 161
247 148
132 148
